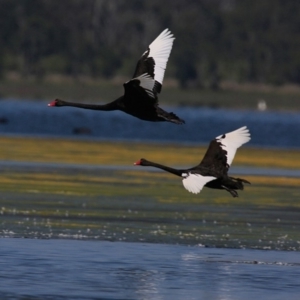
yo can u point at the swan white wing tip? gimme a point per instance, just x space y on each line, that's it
194 183
160 50
147 83
231 141
238 136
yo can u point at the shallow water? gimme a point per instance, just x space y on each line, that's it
240 170
120 204
65 269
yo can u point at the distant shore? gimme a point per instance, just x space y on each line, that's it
231 95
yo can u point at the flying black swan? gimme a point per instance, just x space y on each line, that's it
140 97
212 170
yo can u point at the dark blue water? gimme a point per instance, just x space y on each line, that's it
69 269
271 129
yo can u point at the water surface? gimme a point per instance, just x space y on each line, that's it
272 129
64 226
65 269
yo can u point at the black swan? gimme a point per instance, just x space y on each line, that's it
140 96
212 171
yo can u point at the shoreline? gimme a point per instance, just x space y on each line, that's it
231 95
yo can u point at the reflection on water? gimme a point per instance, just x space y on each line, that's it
56 269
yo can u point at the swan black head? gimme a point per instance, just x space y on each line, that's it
57 102
141 162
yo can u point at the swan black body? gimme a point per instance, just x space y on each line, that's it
212 171
141 92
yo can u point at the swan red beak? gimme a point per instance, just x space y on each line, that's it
53 103
137 163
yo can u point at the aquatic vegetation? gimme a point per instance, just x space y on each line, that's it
124 205
57 150
120 204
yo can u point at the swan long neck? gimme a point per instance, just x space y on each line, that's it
165 168
105 107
